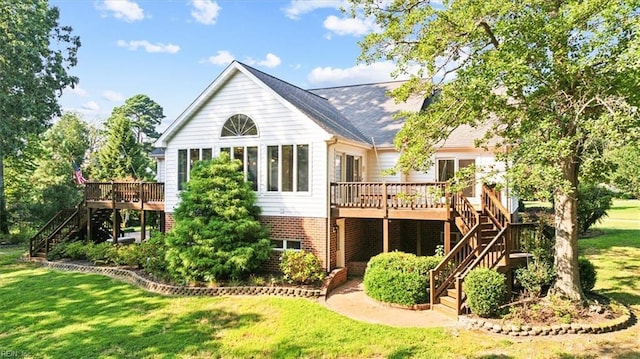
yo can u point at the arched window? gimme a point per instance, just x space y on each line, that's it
239 125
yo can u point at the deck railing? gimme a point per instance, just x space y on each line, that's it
124 191
390 195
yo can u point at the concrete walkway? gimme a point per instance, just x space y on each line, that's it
350 300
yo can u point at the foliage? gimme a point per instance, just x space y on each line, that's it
35 54
550 82
593 203
534 276
588 274
540 269
145 115
301 267
398 277
153 257
52 182
120 157
216 233
486 291
625 176
101 253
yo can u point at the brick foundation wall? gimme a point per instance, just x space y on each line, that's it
311 231
169 222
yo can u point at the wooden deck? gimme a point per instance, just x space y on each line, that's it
427 200
147 196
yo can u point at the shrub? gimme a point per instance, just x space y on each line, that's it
301 267
57 252
103 253
534 276
486 291
398 277
153 257
130 255
217 234
593 203
76 250
588 274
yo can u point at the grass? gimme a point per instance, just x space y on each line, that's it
51 314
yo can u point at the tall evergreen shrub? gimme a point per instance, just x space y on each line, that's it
216 234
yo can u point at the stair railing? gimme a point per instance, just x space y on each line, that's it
58 227
493 208
441 277
466 213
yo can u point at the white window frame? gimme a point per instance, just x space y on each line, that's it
285 244
294 169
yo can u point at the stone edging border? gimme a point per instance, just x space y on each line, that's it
619 323
166 289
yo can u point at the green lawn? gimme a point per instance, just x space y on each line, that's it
51 314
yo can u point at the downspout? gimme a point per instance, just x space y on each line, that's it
330 142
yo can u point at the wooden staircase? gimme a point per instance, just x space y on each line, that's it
489 240
69 225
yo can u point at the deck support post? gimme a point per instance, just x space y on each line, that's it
116 226
89 224
385 235
143 225
418 237
447 237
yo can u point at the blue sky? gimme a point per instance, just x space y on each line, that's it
171 50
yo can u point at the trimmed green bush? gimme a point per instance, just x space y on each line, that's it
398 277
301 267
103 253
486 291
75 250
588 274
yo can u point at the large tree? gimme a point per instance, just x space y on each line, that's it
145 115
35 54
555 83
64 144
120 156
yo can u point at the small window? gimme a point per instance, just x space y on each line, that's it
183 170
283 244
239 125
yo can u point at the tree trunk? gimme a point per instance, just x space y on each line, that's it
4 218
567 283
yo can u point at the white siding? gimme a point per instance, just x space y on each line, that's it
379 161
277 123
160 170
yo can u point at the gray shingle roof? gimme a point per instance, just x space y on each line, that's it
319 109
370 109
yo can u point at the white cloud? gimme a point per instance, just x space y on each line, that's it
205 11
300 7
112 96
222 58
149 47
270 61
91 106
349 26
329 76
126 10
76 90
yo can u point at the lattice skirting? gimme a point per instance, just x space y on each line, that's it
144 283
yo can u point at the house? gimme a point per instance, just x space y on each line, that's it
316 160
